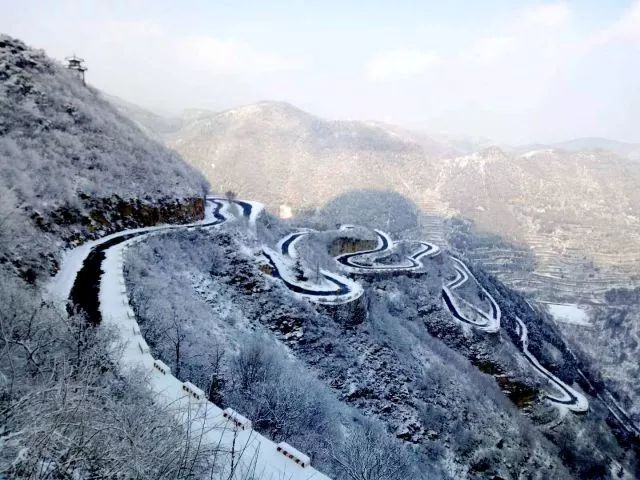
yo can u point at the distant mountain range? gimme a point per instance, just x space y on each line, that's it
574 204
629 150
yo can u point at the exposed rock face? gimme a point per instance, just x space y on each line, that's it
109 215
349 245
350 314
100 217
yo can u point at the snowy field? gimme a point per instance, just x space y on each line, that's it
569 313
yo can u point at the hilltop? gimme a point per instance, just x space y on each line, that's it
73 165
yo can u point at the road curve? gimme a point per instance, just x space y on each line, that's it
385 245
286 244
570 398
250 209
488 322
101 262
344 290
341 289
84 293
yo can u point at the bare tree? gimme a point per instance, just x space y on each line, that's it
12 222
176 335
216 378
66 412
254 364
369 454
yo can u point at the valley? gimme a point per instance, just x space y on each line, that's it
572 400
516 194
363 302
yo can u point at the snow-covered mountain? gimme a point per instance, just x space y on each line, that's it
558 222
73 164
78 180
152 124
624 149
569 208
187 335
271 150
429 348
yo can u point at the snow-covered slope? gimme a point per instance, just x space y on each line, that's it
73 164
52 124
255 453
572 200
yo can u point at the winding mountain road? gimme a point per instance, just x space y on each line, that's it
488 322
286 244
99 265
570 398
250 210
83 294
344 290
86 268
385 245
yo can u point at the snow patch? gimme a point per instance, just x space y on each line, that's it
569 313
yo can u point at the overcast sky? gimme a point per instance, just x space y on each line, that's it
513 71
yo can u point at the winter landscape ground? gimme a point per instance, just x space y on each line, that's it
259 293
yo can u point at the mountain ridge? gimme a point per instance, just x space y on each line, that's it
72 166
274 151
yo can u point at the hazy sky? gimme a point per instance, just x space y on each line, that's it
514 71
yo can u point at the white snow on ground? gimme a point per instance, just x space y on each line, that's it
206 418
413 262
569 313
293 252
256 210
532 153
569 397
498 313
203 416
256 207
480 321
285 267
60 285
253 452
463 274
325 288
617 410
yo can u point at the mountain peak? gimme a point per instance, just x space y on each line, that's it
266 107
492 152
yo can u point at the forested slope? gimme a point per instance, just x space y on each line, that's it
72 167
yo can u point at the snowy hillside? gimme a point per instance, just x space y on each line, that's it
54 125
571 206
72 164
409 353
152 330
